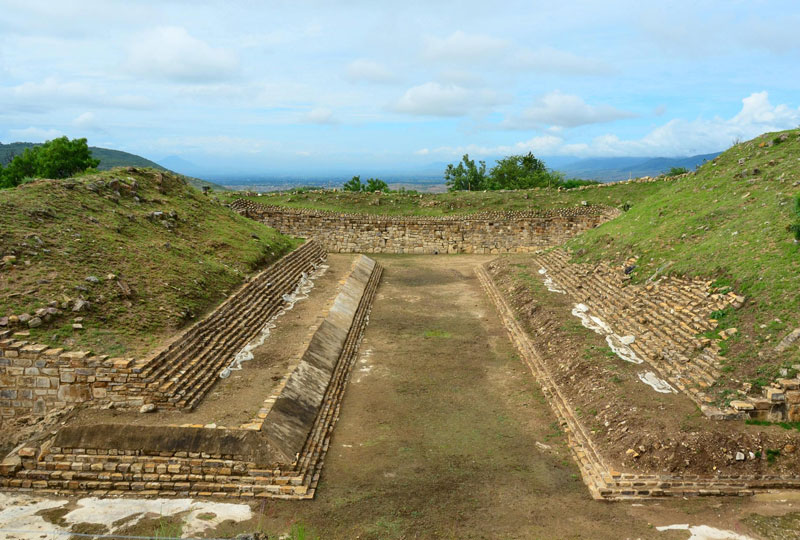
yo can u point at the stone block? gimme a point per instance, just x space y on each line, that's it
74 393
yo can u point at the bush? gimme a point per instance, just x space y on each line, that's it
511 172
59 158
372 185
677 171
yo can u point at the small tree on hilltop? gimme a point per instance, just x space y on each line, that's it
521 172
466 176
376 184
59 158
21 167
354 184
62 158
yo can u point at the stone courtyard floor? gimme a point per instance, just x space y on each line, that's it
443 434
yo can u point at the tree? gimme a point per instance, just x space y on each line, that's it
21 167
520 172
354 184
59 158
62 158
466 176
376 184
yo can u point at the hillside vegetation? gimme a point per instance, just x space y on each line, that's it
730 223
128 254
109 159
454 202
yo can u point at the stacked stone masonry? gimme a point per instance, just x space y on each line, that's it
35 379
603 481
488 233
204 462
666 318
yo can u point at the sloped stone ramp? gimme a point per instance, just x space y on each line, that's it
603 481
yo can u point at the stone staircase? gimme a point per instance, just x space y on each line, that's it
182 373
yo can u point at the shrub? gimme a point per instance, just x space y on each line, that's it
677 171
58 158
795 227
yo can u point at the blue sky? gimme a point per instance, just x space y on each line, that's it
344 86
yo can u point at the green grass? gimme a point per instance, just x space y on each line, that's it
169 270
455 203
437 334
730 228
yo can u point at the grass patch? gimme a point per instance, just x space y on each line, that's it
785 425
437 334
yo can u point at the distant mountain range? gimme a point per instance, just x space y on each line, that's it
622 168
108 160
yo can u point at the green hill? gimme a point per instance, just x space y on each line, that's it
108 160
728 222
136 253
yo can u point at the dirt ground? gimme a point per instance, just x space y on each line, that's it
259 377
635 427
445 434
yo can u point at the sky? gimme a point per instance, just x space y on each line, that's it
305 86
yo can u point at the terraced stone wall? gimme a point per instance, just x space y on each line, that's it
280 458
35 378
489 232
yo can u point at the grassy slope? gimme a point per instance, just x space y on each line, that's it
726 224
62 235
109 159
429 204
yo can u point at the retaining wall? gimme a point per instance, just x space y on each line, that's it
489 232
282 457
603 481
35 379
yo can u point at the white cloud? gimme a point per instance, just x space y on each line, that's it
171 53
564 111
435 99
320 115
462 47
544 144
34 134
550 60
86 120
53 92
685 137
369 71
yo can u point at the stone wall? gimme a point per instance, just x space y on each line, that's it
35 379
280 458
489 232
664 321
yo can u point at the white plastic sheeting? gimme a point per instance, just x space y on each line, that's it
704 532
656 383
549 283
300 292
